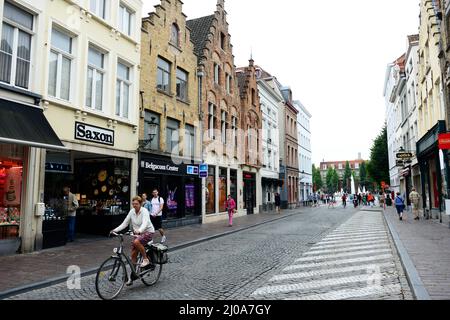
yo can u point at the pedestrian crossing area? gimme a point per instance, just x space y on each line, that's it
355 261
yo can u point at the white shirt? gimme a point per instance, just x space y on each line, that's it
157 205
140 222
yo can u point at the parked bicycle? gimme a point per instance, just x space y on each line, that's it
114 274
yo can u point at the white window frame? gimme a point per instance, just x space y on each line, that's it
234 129
175 42
62 54
189 143
186 88
211 116
223 127
14 56
122 83
165 73
96 70
132 15
216 73
228 83
97 8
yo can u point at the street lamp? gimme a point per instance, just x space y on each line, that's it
153 129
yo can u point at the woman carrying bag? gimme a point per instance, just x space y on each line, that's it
231 208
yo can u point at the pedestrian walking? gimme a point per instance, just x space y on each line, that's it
371 200
145 203
156 214
278 203
414 197
70 205
231 208
344 200
400 205
382 201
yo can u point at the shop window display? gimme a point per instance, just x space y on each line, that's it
102 188
11 171
223 177
210 190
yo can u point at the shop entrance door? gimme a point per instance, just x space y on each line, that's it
249 192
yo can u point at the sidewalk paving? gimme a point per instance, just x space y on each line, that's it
22 271
427 243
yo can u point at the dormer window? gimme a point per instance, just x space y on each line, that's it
175 35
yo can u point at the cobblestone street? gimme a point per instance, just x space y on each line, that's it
321 254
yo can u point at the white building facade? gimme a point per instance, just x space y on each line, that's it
304 151
271 100
395 97
402 118
77 63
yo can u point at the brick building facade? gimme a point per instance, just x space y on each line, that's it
170 133
220 113
251 124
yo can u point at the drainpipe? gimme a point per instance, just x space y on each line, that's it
200 75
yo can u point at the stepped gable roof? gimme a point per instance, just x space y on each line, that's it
200 29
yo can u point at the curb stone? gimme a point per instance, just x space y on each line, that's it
418 288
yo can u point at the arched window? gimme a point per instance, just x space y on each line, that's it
175 35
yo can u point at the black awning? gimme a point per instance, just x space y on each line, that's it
26 125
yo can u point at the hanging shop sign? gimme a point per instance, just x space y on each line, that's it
203 171
444 141
405 155
94 134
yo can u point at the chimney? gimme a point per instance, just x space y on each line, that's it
359 156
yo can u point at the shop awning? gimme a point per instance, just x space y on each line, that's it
26 125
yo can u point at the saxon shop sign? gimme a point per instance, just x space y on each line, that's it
94 134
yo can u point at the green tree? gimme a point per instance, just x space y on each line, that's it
317 179
363 175
347 177
332 180
378 167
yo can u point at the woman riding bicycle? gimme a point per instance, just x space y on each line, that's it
142 228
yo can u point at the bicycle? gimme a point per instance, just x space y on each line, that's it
114 270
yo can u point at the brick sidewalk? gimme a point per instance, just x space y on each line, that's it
47 265
428 245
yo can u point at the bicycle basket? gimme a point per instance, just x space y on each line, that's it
159 254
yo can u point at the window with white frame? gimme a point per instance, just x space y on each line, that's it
223 127
163 76
123 90
98 7
182 84
189 141
173 136
15 47
234 129
60 65
228 85
175 35
95 79
211 120
216 73
126 18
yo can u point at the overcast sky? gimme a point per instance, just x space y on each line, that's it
333 54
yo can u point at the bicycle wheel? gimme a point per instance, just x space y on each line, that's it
151 277
110 279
